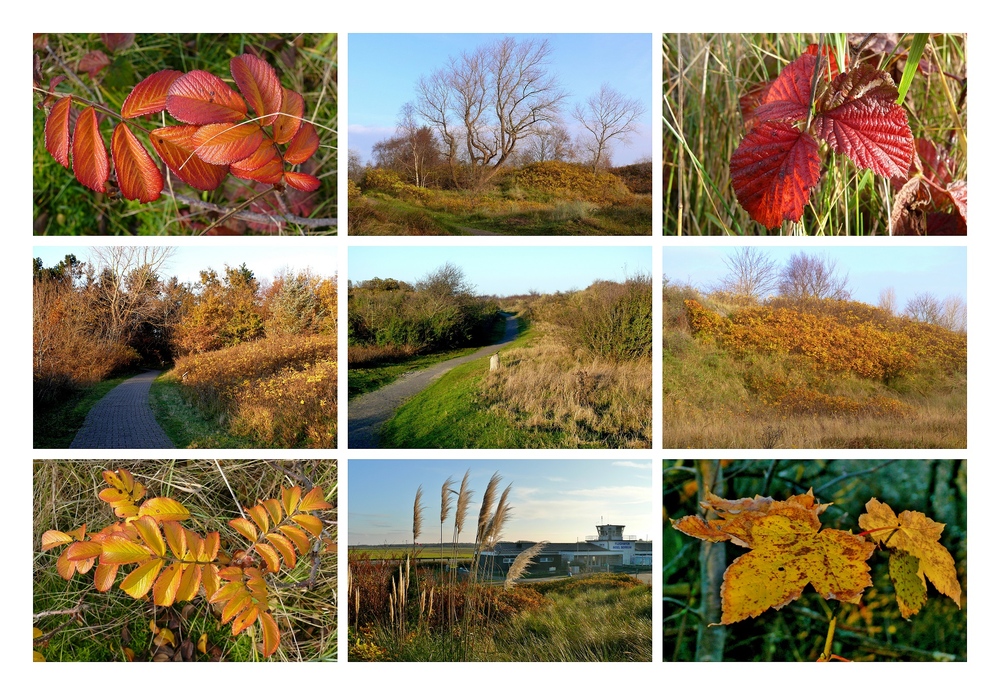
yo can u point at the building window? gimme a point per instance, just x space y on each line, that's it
508 560
545 559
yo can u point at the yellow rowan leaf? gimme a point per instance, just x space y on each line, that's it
176 538
36 633
244 620
313 501
150 534
236 605
274 509
290 499
210 549
210 580
284 547
309 523
165 637
227 592
104 577
787 555
203 643
916 534
259 516
140 580
270 556
37 656
190 581
65 567
245 529
83 550
121 551
164 509
297 536
272 636
165 588
53 539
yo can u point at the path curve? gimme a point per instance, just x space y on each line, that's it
367 413
123 419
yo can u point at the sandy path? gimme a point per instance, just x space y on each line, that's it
367 413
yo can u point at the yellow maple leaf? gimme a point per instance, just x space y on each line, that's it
787 554
916 534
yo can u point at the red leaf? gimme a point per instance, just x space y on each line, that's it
90 159
138 176
858 115
259 85
271 172
223 143
116 42
175 145
263 154
813 50
773 170
150 95
57 131
750 101
959 193
788 97
303 182
287 124
93 63
303 145
200 97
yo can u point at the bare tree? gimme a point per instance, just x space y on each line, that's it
887 300
752 274
812 277
951 313
487 101
550 143
126 287
954 314
608 115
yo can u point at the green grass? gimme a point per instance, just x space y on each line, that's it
63 206
364 379
184 423
56 425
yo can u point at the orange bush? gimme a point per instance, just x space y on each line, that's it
572 181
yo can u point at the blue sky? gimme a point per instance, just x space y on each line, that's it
187 261
383 71
556 501
910 270
503 270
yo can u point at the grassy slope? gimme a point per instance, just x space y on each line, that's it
364 379
55 426
185 425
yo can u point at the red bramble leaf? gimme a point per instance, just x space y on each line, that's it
773 170
200 98
93 63
259 85
138 176
90 159
224 143
858 115
303 145
150 95
175 145
116 42
57 131
788 97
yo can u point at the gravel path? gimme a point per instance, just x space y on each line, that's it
367 413
123 419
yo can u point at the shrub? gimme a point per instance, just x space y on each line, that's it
572 181
382 180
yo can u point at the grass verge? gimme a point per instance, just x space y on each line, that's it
185 424
55 426
364 379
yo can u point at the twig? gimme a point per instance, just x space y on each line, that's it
845 476
238 209
226 481
292 474
255 216
77 609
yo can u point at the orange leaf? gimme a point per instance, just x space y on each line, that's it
223 143
165 588
83 550
175 145
284 547
90 160
287 124
297 536
290 499
53 539
138 176
164 509
93 63
300 181
245 620
270 173
150 95
210 579
241 601
261 156
210 550
227 592
65 567
258 82
57 131
190 581
259 516
314 500
273 508
200 97
104 577
303 145
176 539
309 523
139 581
270 556
203 643
272 637
245 529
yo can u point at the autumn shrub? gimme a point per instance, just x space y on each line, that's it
570 181
382 180
370 355
638 177
280 391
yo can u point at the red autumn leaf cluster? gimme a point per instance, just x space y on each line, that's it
777 164
218 135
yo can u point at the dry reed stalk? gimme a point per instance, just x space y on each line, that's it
494 529
521 562
462 505
418 513
484 511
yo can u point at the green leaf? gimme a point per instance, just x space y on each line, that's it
912 62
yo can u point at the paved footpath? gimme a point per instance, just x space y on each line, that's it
367 413
123 419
